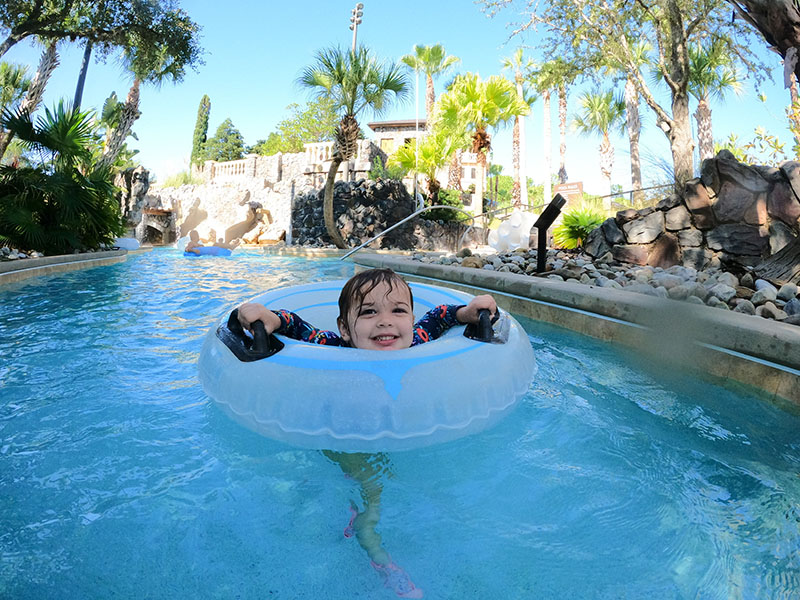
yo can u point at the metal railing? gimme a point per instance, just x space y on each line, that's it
411 216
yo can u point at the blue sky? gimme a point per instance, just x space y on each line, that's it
255 50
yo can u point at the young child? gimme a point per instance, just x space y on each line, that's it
194 242
375 313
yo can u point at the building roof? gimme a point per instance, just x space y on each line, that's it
402 123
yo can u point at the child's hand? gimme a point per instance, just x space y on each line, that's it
250 312
469 313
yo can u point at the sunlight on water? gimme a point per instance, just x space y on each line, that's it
119 478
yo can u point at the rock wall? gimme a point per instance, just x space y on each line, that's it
363 209
734 215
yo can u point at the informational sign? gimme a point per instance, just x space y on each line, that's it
572 191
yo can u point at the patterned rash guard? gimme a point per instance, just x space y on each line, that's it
432 325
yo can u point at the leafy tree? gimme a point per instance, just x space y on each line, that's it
593 31
316 122
600 113
62 203
355 81
433 61
474 105
227 143
200 131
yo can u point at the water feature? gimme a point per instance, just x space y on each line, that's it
121 479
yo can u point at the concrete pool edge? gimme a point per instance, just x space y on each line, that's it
748 349
25 268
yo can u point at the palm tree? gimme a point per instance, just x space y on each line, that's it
633 122
475 105
711 73
355 81
600 113
433 61
63 203
433 153
47 64
520 67
13 84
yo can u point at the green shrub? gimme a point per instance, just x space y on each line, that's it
576 226
447 198
379 171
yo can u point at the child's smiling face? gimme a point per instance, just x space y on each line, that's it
383 321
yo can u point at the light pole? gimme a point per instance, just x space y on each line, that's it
355 21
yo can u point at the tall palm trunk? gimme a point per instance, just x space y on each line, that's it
130 112
344 146
523 171
87 55
634 126
47 64
430 98
562 131
547 141
705 136
454 172
680 138
606 167
516 195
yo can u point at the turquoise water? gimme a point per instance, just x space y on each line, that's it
119 478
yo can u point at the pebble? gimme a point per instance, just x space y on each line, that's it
711 287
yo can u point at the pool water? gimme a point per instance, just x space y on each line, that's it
119 478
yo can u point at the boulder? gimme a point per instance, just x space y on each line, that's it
738 239
645 229
666 251
631 253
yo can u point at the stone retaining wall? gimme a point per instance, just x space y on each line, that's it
734 215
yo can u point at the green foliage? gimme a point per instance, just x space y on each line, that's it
200 131
391 171
227 143
315 122
109 120
13 84
448 198
182 178
62 203
762 149
576 226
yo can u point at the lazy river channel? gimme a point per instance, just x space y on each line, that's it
119 478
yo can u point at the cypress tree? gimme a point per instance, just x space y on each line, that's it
200 131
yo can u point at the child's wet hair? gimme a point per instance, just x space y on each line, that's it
361 284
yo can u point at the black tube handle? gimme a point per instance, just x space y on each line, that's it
262 345
482 331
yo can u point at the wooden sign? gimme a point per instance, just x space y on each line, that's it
572 191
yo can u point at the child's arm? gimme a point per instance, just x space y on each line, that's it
285 323
250 312
469 313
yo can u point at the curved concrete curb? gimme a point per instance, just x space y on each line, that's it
18 270
746 348
321 252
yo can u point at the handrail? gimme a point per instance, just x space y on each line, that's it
408 218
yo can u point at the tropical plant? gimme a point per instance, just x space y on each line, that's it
200 135
600 113
520 67
712 73
576 225
226 144
62 203
474 105
445 198
426 157
47 64
433 61
14 82
388 171
355 81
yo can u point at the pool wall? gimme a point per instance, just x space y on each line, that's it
746 348
18 270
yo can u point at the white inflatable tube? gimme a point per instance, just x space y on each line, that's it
353 400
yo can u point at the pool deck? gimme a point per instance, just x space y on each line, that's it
749 349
